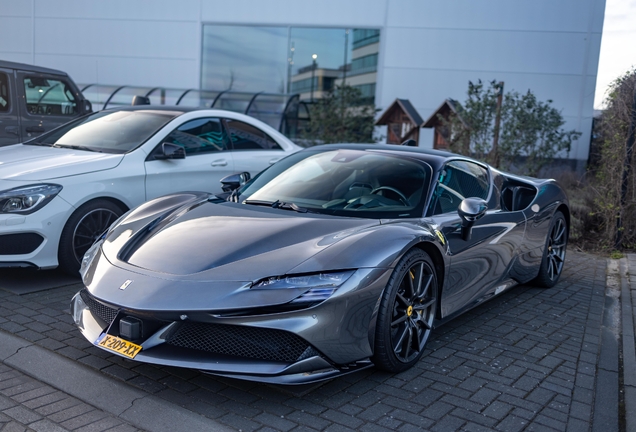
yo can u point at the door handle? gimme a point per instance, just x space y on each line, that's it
36 129
12 130
219 162
274 160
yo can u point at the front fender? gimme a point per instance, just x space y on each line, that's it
380 246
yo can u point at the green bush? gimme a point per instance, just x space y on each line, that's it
531 133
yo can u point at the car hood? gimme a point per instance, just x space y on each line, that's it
227 241
37 163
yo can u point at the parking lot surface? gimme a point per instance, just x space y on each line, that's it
527 360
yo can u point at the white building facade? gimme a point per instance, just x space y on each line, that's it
427 50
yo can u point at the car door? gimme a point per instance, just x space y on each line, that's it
253 150
9 113
480 263
207 160
46 102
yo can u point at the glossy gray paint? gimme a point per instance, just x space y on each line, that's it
191 254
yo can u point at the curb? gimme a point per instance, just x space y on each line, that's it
628 303
122 400
606 395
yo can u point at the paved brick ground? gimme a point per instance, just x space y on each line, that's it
523 361
29 405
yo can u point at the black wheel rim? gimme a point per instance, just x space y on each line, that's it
89 228
556 249
413 312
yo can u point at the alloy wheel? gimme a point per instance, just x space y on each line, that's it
413 312
556 249
89 228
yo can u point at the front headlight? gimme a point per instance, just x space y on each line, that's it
27 199
319 286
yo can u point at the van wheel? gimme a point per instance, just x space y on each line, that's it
84 226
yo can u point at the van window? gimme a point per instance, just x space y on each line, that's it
4 93
47 96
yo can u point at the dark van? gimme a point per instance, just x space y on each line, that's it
34 99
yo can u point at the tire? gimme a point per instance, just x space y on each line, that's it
84 226
553 253
407 309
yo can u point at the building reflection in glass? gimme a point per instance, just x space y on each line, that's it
279 59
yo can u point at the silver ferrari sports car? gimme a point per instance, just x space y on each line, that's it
336 258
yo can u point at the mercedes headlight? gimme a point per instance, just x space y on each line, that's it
319 286
27 199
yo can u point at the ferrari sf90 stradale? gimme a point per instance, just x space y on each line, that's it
334 259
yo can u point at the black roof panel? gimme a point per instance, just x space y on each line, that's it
30 68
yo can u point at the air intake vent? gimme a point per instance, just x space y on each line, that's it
106 313
241 341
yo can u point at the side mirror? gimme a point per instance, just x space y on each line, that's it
88 106
140 100
171 151
469 210
235 181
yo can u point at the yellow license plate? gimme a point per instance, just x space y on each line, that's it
120 346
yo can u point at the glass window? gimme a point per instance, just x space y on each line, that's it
364 37
4 93
300 60
203 135
247 137
459 180
46 96
366 64
109 132
244 58
350 183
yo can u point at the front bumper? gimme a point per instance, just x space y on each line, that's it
32 240
295 347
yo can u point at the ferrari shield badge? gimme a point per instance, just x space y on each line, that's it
125 284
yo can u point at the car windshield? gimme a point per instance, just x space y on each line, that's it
343 182
107 131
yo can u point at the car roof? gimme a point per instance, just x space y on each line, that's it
171 108
435 158
30 68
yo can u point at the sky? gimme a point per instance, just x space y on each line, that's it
618 45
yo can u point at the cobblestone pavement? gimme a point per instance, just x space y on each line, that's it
524 361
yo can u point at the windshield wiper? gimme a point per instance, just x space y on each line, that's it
260 202
38 143
278 205
77 147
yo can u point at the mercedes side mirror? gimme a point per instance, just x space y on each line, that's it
235 181
171 151
140 100
469 210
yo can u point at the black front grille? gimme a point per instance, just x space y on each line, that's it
241 341
106 313
19 244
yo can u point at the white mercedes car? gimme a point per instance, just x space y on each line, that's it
61 190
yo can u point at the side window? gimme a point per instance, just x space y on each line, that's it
4 93
248 137
205 135
459 180
47 96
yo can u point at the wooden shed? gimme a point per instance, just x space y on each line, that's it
402 121
441 132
